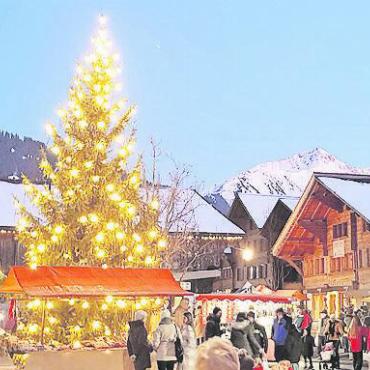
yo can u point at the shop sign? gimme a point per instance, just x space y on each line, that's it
338 248
186 285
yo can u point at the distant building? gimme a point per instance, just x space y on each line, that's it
327 239
200 238
262 217
11 253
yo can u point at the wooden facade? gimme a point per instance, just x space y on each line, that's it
263 268
328 240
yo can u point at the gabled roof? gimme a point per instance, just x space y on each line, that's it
353 190
8 191
199 216
260 206
324 193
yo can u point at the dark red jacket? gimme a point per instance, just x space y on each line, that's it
356 341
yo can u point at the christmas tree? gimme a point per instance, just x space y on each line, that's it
92 210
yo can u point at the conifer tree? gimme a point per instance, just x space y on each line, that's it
92 210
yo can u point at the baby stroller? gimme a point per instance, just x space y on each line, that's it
326 355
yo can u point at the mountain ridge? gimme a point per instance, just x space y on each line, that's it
287 176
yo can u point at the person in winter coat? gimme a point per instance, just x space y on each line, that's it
189 342
217 354
280 329
242 336
258 331
179 312
164 342
213 328
138 346
356 334
308 344
334 331
303 321
198 325
324 318
293 347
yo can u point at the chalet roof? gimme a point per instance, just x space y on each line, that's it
354 191
199 216
325 192
9 191
260 206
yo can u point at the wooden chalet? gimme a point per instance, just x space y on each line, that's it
262 217
327 239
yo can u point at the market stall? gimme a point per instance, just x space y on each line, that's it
264 306
79 315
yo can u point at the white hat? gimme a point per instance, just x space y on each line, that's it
140 315
165 314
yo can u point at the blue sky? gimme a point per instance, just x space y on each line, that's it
221 85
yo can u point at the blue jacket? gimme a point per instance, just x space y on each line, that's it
280 331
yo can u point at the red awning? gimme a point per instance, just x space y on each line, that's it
245 297
91 282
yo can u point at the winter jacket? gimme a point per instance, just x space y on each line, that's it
323 323
308 344
280 331
334 330
357 341
303 322
164 340
260 335
293 345
242 337
138 345
190 345
179 313
212 327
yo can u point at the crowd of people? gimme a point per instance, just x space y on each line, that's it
177 344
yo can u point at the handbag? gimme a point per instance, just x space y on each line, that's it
179 350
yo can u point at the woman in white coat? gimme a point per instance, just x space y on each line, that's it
189 342
164 342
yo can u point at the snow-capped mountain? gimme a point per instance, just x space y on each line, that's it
283 177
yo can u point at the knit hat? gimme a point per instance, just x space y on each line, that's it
140 315
216 310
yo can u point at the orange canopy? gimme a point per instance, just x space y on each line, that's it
90 282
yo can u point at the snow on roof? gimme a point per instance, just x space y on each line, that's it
354 192
290 202
8 191
260 206
197 215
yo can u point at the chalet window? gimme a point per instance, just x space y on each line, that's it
360 261
261 271
340 230
365 226
254 272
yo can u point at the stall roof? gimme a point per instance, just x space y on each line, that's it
66 282
245 297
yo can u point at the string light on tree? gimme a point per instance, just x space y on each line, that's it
92 210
